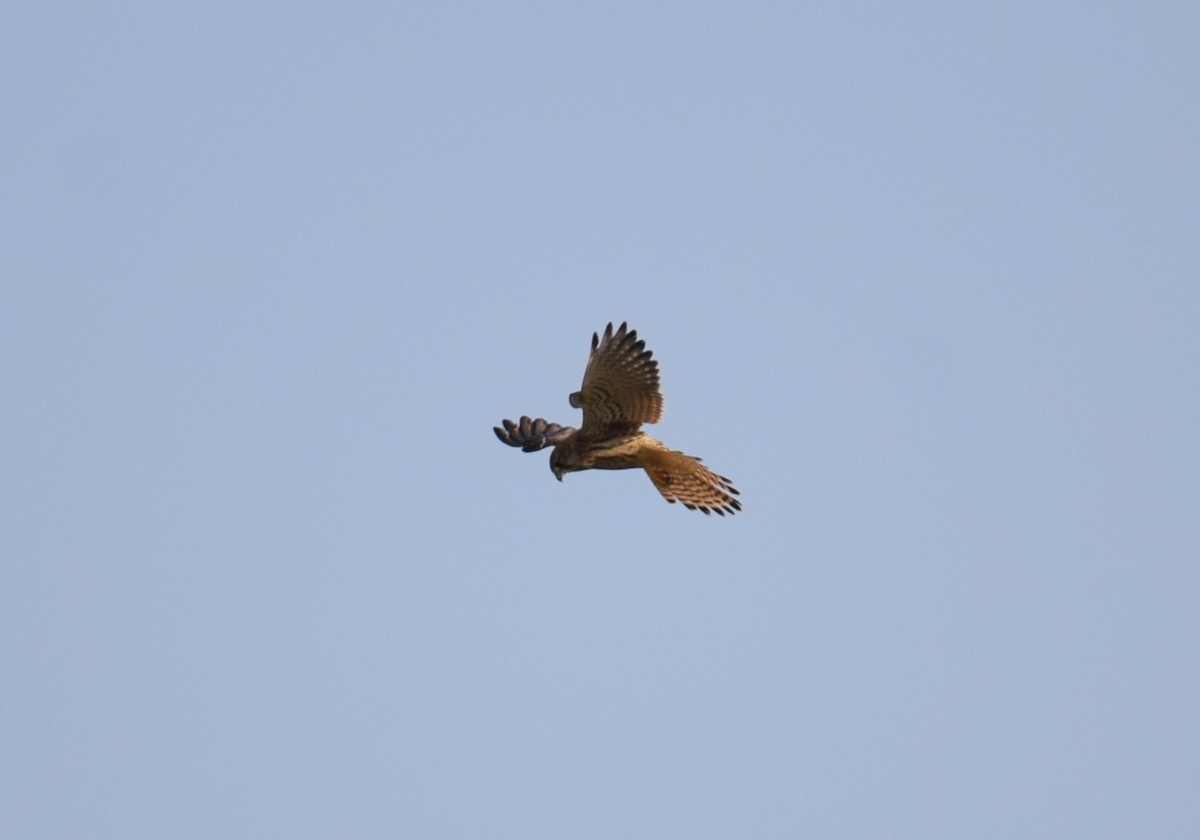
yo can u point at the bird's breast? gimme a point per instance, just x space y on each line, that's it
618 453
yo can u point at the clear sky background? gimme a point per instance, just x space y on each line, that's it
922 279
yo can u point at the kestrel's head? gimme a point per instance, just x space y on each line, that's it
564 459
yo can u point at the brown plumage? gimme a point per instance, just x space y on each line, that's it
620 392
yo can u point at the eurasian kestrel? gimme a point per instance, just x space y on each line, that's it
619 394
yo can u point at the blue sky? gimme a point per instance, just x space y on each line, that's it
922 281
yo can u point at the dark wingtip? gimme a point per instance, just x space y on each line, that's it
505 434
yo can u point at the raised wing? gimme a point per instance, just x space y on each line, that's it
620 386
532 435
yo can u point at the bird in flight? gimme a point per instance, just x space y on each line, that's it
619 394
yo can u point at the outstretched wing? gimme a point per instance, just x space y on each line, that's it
532 435
683 478
620 386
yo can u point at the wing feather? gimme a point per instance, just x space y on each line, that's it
532 435
620 388
682 478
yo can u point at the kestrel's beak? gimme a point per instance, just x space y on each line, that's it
558 475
